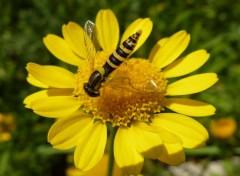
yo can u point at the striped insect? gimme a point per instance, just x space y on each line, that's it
114 61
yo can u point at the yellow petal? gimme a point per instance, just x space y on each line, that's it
90 147
35 96
56 106
186 64
61 50
192 84
173 154
166 136
125 153
52 76
36 82
145 25
156 47
147 141
74 36
190 107
46 93
60 92
171 50
192 133
66 132
107 29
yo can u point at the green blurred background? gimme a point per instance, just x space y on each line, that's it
214 25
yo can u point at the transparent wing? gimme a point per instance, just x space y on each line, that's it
91 30
91 42
124 83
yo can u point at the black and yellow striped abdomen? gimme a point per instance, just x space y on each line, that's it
113 62
121 53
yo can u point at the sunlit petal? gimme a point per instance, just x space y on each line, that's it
52 76
186 64
35 96
192 84
56 106
191 132
108 30
73 34
171 49
61 50
90 147
46 93
144 24
147 141
190 107
165 135
66 132
173 154
156 47
32 80
125 153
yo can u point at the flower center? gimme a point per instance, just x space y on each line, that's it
132 92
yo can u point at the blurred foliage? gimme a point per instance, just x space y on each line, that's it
213 24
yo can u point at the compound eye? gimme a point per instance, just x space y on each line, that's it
90 91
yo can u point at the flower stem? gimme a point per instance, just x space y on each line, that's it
113 131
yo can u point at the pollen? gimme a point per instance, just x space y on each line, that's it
133 92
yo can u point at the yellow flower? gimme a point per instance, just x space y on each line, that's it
134 98
7 126
223 128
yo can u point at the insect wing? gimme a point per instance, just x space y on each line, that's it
120 83
124 83
149 86
91 42
91 31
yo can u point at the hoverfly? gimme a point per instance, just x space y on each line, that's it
99 76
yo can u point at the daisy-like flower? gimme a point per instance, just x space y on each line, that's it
150 122
7 126
223 128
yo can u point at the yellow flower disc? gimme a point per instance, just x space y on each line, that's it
132 92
